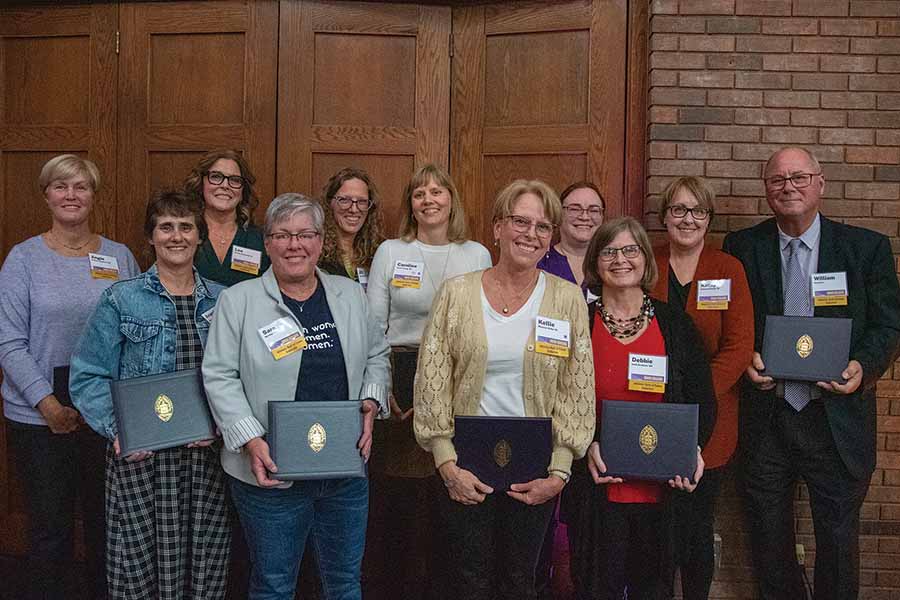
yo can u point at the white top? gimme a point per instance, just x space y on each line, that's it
507 336
402 312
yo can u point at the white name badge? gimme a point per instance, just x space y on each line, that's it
647 372
551 336
208 315
829 289
407 274
713 294
103 267
282 337
362 276
245 260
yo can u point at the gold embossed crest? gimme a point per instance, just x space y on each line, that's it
804 346
648 439
502 453
316 437
164 408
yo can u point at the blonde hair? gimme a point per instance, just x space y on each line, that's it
65 166
507 197
457 230
603 237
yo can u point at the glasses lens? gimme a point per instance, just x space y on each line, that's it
801 180
235 181
631 251
215 177
677 211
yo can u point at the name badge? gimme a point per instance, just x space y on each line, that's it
208 315
647 373
713 294
245 260
282 338
829 289
103 267
407 274
551 336
362 276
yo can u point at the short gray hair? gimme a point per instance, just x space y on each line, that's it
285 206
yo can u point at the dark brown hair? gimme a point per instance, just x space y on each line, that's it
603 237
368 238
193 184
579 185
174 203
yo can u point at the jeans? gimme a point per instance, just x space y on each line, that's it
277 523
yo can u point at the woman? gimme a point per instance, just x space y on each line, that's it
583 209
434 241
685 264
622 532
352 224
167 534
349 361
233 251
478 357
49 285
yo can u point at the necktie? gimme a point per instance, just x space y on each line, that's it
796 303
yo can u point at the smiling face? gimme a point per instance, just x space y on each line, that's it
431 205
686 232
523 249
220 197
622 272
70 200
790 204
578 226
175 241
351 219
294 261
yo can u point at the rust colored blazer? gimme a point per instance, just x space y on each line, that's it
727 338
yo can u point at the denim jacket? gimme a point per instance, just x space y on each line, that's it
132 333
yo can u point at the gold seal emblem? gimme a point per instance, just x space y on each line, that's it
502 453
164 408
804 346
648 439
316 437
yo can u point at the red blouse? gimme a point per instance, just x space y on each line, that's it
611 381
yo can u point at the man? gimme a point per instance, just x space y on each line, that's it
824 432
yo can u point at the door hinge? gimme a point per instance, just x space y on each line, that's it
451 45
117 42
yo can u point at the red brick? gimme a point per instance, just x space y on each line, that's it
890 544
846 208
890 579
761 116
707 43
763 7
848 64
664 42
760 152
707 7
859 27
821 8
818 118
791 99
890 425
790 62
875 45
735 206
706 115
677 60
762 43
664 7
663 114
889 64
819 81
676 132
706 79
874 8
734 98
790 27
888 27
873 191
703 150
764 81
888 137
677 97
661 150
888 101
880 119
731 133
840 172
847 100
847 136
731 168
889 512
875 83
675 167
737 62
790 135
733 25
824 45
885 155
886 227
888 174
742 222
664 78
677 24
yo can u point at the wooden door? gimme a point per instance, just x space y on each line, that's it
366 85
538 91
57 95
193 76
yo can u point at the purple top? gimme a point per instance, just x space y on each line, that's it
556 264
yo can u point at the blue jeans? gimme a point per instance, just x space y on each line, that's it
277 523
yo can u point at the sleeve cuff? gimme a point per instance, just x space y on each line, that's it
561 461
242 432
37 391
442 450
378 393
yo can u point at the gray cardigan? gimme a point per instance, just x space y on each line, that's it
241 376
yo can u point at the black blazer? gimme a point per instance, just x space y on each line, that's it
873 304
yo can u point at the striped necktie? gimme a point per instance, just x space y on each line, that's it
796 303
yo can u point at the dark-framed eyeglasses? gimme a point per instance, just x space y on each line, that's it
216 178
283 238
679 211
798 180
520 224
573 211
630 251
345 202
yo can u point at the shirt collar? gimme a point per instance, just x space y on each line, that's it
810 237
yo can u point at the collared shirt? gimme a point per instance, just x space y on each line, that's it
809 255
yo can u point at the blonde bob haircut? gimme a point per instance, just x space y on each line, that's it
65 166
603 237
696 186
508 196
457 230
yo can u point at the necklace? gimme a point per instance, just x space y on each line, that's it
68 247
626 328
434 285
518 294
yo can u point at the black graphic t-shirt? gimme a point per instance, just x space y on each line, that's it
323 375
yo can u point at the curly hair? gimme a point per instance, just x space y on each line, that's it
368 238
193 184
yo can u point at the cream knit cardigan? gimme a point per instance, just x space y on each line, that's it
452 364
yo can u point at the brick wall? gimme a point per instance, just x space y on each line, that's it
731 81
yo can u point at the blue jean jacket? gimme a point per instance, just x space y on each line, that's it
132 333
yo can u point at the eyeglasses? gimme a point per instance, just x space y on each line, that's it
573 211
542 229
680 211
345 202
283 238
798 180
216 178
608 254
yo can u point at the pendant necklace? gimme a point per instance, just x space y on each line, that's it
518 294
68 247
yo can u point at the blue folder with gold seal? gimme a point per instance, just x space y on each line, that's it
161 411
651 441
501 451
315 440
806 348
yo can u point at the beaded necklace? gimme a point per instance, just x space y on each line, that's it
626 328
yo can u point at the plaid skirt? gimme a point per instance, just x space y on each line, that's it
167 533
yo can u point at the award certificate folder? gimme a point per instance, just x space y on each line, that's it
501 451
61 385
403 370
315 440
806 348
161 411
650 441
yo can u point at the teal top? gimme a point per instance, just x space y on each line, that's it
208 264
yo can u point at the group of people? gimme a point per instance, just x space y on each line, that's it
320 268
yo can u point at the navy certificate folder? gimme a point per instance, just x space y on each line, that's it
315 440
650 441
501 451
806 348
161 411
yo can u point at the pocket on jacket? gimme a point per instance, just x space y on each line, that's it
140 348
